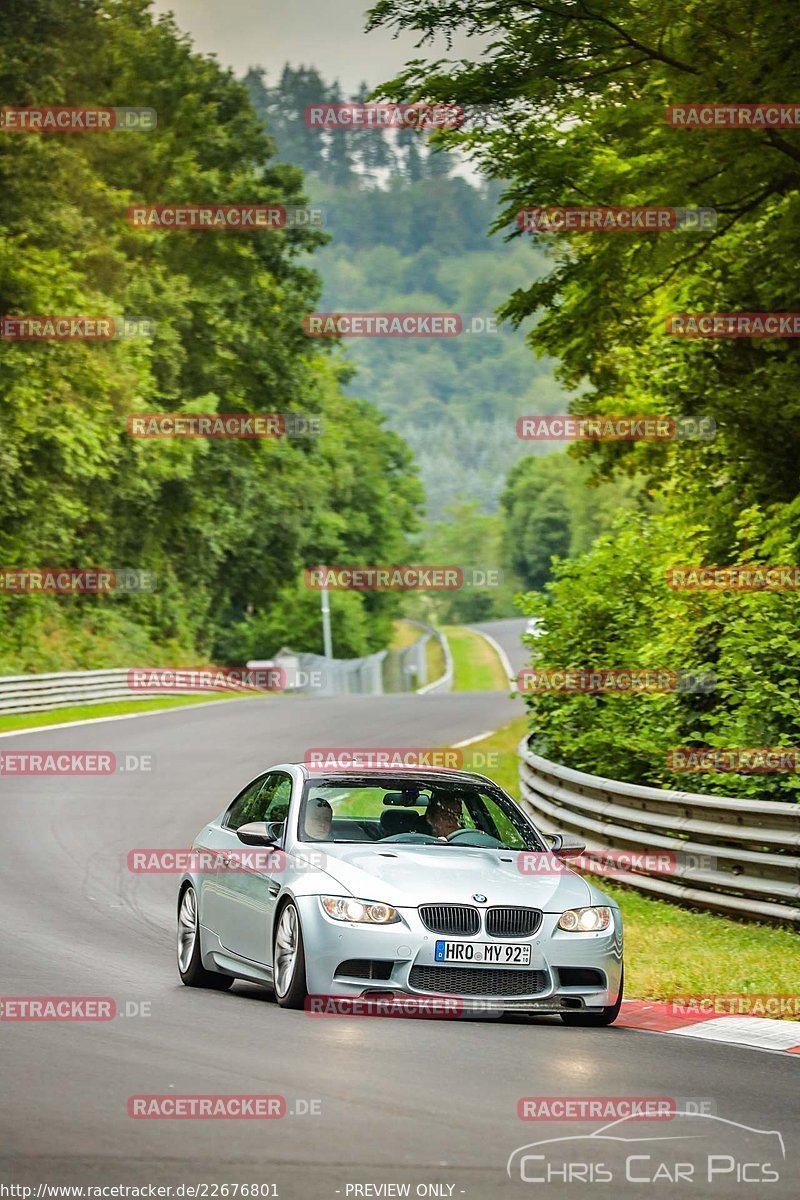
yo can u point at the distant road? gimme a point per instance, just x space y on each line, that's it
507 634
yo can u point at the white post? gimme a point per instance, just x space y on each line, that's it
327 641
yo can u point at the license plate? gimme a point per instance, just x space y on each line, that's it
485 954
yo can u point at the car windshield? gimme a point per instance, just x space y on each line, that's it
438 813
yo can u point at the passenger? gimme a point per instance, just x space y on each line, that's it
317 819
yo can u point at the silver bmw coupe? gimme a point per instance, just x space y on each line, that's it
414 883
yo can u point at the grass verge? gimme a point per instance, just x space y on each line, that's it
434 659
671 950
84 712
476 667
404 634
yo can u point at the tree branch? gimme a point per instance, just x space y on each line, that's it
650 53
778 143
687 258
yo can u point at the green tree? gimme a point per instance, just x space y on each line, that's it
577 95
471 540
537 518
223 524
553 508
282 109
610 608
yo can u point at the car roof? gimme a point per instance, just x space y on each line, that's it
417 774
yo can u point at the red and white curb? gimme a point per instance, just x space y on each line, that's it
759 1033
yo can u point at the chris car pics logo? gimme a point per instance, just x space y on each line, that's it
696 1148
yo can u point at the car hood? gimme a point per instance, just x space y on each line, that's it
407 875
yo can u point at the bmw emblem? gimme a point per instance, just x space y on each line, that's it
479 898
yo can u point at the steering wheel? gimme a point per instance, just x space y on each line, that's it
477 838
419 838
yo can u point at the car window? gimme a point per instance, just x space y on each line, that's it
265 799
500 824
359 810
279 791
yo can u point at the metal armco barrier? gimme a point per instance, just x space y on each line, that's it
386 671
332 676
37 693
735 856
445 681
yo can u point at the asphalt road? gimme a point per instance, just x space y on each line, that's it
423 1102
507 634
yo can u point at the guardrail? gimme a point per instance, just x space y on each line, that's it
331 677
445 681
38 693
730 855
393 670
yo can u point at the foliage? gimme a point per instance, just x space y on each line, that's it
225 525
455 400
339 156
471 540
567 104
406 235
577 96
551 508
612 608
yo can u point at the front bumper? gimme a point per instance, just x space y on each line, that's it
407 944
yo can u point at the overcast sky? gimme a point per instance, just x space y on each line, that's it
327 34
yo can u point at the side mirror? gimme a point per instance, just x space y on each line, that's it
276 830
566 845
257 833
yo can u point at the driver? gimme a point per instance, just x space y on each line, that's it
318 819
443 815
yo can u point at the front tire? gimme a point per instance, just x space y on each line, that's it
606 1016
289 959
190 960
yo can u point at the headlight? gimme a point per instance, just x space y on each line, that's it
585 920
344 908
